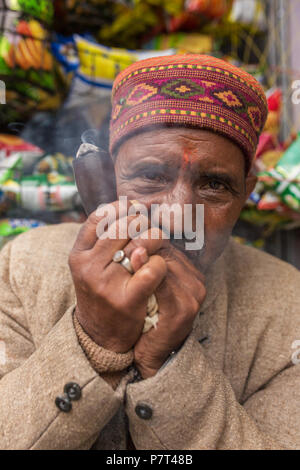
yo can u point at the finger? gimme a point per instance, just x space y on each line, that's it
146 280
116 237
129 226
87 236
183 277
138 258
139 249
152 240
102 254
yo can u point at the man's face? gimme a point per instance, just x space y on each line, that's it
187 166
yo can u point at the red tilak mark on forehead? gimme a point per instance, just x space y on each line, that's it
187 158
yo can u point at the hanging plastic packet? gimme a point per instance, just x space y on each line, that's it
266 142
269 201
38 193
284 178
10 228
256 195
9 167
57 166
271 158
99 65
11 145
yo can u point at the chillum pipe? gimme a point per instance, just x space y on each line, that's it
94 176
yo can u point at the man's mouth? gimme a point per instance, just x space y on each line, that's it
193 255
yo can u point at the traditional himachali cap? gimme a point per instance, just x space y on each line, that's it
190 90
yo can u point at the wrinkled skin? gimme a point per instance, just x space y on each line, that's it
169 165
152 168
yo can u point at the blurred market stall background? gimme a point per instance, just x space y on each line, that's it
58 60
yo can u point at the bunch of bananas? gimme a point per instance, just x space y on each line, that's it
30 50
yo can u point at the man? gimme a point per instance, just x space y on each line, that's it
219 370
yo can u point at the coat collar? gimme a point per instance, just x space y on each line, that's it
215 280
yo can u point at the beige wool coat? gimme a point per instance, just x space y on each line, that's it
234 384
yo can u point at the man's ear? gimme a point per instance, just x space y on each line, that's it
250 183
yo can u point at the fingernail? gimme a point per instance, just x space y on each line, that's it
134 202
143 255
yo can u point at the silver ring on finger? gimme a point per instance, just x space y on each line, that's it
126 263
121 258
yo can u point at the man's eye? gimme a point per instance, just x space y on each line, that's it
216 185
153 176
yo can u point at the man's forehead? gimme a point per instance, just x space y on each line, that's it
173 146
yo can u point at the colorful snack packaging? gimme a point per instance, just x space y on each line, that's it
284 179
9 167
57 166
38 193
269 201
256 194
272 125
267 141
64 50
274 98
10 228
271 158
99 65
11 145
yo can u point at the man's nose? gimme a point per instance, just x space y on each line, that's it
181 201
182 193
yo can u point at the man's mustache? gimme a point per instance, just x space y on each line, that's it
180 244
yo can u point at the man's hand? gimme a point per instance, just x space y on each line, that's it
111 303
179 298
